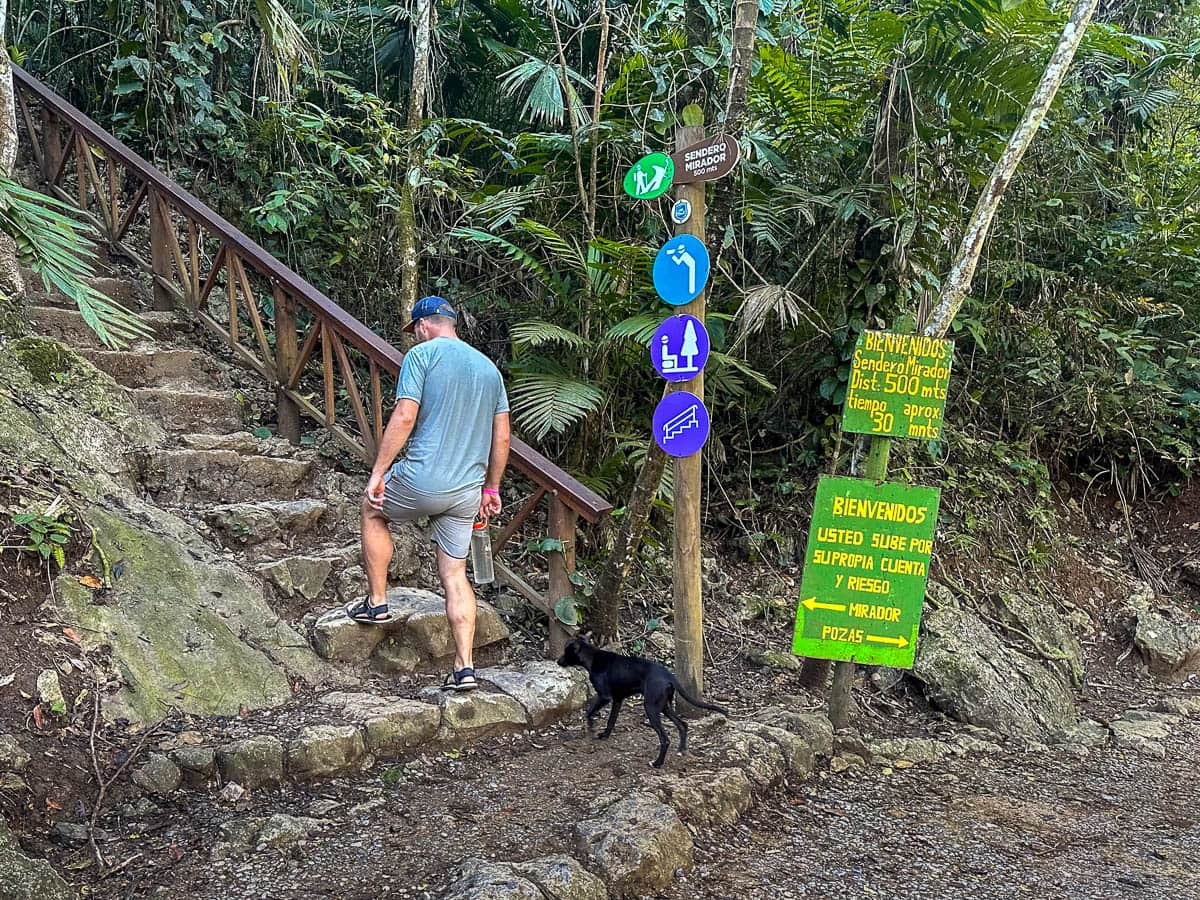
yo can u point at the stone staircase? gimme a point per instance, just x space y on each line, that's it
289 516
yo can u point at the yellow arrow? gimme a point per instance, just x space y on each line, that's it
900 642
811 603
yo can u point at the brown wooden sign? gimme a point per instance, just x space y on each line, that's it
711 158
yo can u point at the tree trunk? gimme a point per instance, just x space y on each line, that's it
606 614
962 272
407 225
745 25
13 320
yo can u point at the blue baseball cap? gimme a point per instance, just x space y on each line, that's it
430 306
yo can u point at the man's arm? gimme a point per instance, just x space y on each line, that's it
489 504
395 436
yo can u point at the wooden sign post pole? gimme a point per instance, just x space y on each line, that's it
689 604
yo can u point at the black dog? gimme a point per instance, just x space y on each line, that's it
616 677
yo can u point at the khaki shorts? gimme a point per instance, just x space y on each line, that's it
451 515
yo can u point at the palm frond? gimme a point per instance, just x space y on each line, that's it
285 48
545 402
639 329
535 333
511 250
57 248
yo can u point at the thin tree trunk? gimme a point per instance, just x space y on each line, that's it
13 321
607 613
745 26
962 272
407 224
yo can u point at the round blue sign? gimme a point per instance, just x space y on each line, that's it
681 269
681 424
679 348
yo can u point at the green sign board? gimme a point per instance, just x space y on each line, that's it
898 385
650 176
865 571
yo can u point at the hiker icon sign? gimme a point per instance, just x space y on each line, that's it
680 269
681 424
679 348
650 176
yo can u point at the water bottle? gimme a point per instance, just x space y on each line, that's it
482 569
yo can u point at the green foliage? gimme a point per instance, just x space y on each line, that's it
43 534
52 241
870 129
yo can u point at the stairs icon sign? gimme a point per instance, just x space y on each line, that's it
681 423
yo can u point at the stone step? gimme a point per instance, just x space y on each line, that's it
158 368
417 639
128 290
176 476
66 324
190 410
243 442
359 728
258 522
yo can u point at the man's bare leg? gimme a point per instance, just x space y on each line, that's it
460 607
377 549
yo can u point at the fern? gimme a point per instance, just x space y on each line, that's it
545 402
535 332
57 248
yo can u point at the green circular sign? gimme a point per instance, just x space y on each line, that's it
650 176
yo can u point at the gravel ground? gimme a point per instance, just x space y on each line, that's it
1109 825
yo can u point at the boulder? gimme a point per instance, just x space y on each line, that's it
886 751
418 637
546 690
13 757
322 751
636 845
1168 639
158 775
392 724
1143 731
477 879
562 878
1038 622
471 715
814 728
253 762
188 629
198 763
706 800
773 659
762 760
303 575
970 673
281 831
22 878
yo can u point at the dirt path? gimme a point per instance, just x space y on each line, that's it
1110 825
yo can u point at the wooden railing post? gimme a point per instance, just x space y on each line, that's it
287 352
160 250
52 153
563 521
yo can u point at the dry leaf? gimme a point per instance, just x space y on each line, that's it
38 717
73 635
52 804
904 764
91 581
6 680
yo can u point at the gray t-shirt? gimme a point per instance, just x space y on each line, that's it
459 391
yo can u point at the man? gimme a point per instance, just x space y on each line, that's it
451 419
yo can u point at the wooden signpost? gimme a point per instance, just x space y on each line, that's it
681 421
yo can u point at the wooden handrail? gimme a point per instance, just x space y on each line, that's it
237 253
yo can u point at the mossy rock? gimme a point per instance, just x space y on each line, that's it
47 361
187 630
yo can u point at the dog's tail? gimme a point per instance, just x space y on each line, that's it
700 704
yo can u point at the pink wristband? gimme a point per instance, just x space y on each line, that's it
491 491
